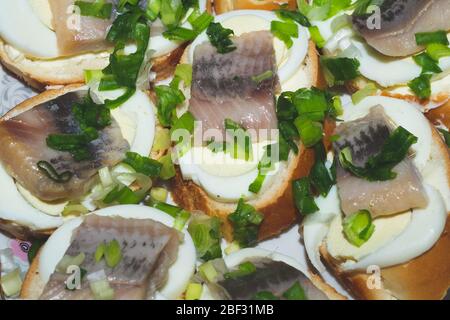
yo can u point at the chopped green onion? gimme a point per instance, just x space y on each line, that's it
295 292
284 31
186 122
162 140
153 9
263 76
74 210
97 9
358 227
446 136
245 221
208 272
320 178
194 291
243 270
113 253
379 167
202 22
68 261
167 169
92 75
428 64
220 38
144 165
102 290
180 34
168 99
205 232
317 37
51 173
304 201
99 252
232 247
181 220
265 295
340 70
113 104
311 132
11 283
337 106
296 16
438 51
421 86
263 166
159 194
311 103
106 178
369 90
184 73
335 137
425 38
122 195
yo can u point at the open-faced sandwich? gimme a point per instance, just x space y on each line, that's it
127 252
257 274
65 150
52 42
396 46
383 230
244 61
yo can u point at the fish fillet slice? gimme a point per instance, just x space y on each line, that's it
23 141
223 86
365 138
148 249
400 21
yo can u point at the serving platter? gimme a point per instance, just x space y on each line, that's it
13 92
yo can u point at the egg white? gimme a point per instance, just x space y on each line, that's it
179 273
135 117
405 242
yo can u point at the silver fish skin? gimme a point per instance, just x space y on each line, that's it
272 276
400 21
23 141
148 249
223 85
365 138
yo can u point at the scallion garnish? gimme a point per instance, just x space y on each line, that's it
369 90
194 291
168 98
446 136
183 72
339 70
295 292
244 269
181 216
303 198
51 173
428 64
245 221
264 166
425 38
205 232
98 8
144 165
265 295
438 51
296 16
358 227
316 36
421 86
167 167
262 77
180 34
379 167
284 31
220 38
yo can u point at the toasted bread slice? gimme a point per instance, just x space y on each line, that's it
222 6
425 277
276 203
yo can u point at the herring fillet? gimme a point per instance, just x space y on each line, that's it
23 145
223 85
365 138
148 249
272 276
400 21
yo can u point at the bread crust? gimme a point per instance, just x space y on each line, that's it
277 202
426 277
222 6
33 285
